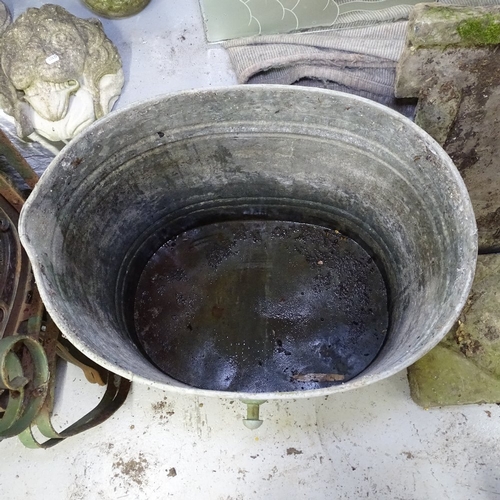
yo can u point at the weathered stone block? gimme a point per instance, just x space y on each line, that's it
465 366
451 64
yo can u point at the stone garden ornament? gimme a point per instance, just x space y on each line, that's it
58 73
5 18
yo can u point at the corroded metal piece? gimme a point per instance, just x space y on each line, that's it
116 392
29 340
25 396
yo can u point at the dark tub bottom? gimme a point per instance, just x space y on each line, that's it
258 306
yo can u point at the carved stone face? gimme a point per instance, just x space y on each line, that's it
58 72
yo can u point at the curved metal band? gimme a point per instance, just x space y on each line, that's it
22 408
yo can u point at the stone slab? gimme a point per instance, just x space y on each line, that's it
451 64
465 367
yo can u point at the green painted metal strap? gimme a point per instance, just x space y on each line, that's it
28 362
116 393
12 369
25 398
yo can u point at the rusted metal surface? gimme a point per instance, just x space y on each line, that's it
117 390
15 271
23 363
10 194
16 159
10 268
29 341
25 395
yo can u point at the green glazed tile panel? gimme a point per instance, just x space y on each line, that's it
227 19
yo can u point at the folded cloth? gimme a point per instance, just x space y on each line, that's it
360 61
287 58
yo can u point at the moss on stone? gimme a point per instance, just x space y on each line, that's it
447 26
484 30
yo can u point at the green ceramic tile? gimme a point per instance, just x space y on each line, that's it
227 19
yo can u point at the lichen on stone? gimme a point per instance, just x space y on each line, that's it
441 11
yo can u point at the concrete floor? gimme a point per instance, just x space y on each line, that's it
370 443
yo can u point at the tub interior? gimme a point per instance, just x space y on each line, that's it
146 175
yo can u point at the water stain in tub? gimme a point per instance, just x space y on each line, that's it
258 306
